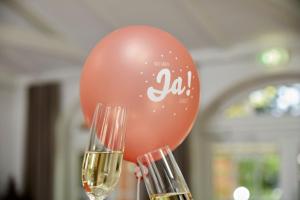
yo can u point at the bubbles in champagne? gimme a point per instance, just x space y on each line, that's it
101 172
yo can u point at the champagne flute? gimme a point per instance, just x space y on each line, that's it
102 162
162 176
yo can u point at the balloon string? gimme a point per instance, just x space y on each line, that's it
138 188
139 176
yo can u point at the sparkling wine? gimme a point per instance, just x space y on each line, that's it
101 172
172 196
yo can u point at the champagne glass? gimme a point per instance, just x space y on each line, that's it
162 176
102 162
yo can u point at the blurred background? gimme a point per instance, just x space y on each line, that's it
247 135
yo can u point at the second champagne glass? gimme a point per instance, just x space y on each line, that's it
102 162
162 176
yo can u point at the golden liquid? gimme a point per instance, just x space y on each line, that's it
101 172
172 196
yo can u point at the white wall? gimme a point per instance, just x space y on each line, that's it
12 129
13 120
13 116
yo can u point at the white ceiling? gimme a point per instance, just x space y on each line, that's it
41 35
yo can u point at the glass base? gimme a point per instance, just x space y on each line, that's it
91 197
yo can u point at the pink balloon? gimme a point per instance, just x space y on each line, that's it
152 74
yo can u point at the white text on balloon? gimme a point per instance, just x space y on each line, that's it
176 88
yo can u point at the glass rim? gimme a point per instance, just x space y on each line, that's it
164 148
161 173
108 121
101 104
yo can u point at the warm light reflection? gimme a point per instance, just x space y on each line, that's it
261 98
236 111
241 193
257 98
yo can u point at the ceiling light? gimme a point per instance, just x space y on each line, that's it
274 57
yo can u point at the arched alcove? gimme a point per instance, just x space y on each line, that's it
249 138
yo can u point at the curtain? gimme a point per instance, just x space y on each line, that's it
43 108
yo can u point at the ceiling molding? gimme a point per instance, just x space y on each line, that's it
59 75
14 37
203 18
21 9
290 7
286 40
9 79
98 11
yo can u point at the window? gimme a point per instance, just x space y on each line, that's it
271 100
243 170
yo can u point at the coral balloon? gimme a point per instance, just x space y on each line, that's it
152 74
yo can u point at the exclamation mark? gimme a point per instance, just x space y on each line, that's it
189 76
